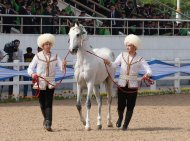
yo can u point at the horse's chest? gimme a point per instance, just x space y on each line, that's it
82 74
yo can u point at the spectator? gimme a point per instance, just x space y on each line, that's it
14 53
8 22
27 21
128 9
82 21
54 6
28 58
47 22
113 23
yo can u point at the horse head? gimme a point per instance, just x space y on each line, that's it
77 34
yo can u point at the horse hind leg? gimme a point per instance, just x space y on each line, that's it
109 85
79 105
99 101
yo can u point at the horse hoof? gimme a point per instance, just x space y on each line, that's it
84 123
110 124
87 128
99 127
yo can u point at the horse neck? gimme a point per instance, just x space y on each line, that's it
82 53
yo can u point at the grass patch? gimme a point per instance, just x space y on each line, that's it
68 94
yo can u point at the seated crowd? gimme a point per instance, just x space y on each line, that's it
118 9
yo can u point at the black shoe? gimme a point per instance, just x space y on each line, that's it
48 128
47 125
124 128
118 123
128 117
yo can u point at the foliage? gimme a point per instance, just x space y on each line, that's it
185 4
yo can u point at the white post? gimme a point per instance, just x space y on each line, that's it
16 79
74 87
153 87
178 16
177 76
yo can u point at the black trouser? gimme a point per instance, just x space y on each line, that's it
46 101
127 98
10 87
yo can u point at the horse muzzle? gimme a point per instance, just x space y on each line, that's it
74 51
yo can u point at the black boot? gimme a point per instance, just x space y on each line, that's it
44 115
120 114
48 125
48 120
127 119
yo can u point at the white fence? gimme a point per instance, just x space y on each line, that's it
177 77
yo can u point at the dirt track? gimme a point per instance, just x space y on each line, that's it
156 118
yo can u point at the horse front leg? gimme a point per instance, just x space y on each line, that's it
79 105
88 105
109 86
99 101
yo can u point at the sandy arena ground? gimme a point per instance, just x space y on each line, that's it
156 118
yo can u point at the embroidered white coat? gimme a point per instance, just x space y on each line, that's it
131 76
45 67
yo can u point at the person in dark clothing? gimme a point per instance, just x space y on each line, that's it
14 53
27 21
28 58
8 22
115 24
47 22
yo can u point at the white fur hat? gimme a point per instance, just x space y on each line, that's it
47 37
132 39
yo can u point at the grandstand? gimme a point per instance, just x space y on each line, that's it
55 16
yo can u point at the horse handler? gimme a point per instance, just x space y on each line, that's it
45 63
130 63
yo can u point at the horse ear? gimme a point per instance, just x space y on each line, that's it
70 24
77 23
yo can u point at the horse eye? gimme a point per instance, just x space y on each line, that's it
78 35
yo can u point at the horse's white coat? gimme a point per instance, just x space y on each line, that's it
90 72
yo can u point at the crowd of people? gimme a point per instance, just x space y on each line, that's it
118 9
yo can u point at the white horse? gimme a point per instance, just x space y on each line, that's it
90 72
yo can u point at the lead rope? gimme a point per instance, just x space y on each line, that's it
36 80
146 80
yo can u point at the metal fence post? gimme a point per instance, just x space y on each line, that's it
15 80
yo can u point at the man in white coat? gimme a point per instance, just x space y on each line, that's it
45 63
130 63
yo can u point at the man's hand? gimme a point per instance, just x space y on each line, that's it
64 65
34 76
107 62
147 76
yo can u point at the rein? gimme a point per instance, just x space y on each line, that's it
36 80
146 80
